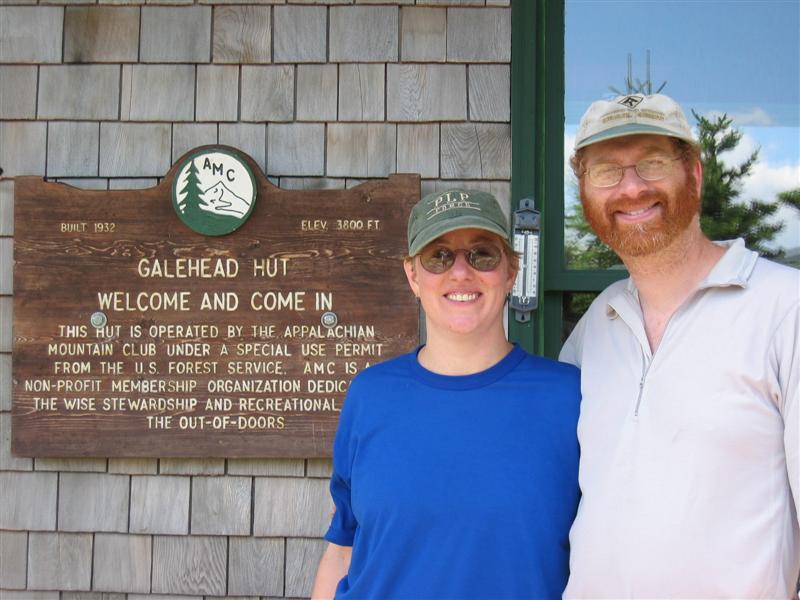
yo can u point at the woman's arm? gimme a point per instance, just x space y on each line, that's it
332 568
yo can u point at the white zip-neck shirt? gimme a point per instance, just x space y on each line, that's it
690 466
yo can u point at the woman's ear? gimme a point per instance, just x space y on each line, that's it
411 275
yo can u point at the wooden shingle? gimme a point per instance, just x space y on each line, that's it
363 33
134 149
319 467
296 149
101 34
479 35
242 34
255 566
31 34
157 93
250 138
189 565
9 462
175 34
23 147
193 466
13 559
93 502
132 466
217 93
490 92
28 500
72 149
160 504
423 32
300 33
426 92
186 136
361 92
302 559
121 563
316 92
285 467
79 92
361 149
267 93
6 223
476 150
291 507
59 561
418 149
221 505
17 92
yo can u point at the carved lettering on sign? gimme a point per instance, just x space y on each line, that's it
135 335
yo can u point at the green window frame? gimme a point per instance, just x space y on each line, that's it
537 166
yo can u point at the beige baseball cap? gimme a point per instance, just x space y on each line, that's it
631 115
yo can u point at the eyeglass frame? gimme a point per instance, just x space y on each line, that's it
623 168
467 253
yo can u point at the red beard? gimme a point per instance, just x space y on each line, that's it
658 232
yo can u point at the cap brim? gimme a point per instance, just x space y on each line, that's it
631 129
429 234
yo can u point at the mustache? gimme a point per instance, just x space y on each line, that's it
627 204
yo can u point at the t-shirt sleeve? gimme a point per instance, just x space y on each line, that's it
343 525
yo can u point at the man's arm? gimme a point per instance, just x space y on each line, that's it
332 568
573 348
787 348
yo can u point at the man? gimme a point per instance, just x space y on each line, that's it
689 472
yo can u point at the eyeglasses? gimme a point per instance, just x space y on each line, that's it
651 168
438 259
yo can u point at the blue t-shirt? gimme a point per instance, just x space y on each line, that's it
457 486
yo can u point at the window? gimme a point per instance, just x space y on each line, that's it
735 63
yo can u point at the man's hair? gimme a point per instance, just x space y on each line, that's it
690 153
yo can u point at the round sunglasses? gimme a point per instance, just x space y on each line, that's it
481 257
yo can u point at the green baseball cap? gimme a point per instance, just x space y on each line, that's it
442 212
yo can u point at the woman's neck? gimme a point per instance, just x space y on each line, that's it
456 356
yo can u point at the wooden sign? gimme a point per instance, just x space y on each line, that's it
135 335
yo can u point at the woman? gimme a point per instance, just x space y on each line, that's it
455 466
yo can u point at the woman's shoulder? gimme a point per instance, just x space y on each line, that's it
379 373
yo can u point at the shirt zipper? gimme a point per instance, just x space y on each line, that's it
646 368
646 365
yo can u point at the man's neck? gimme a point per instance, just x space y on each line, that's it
665 279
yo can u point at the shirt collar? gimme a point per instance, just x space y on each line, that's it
733 269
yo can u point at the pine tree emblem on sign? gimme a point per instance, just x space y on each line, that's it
214 191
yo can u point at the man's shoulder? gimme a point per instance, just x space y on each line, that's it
770 273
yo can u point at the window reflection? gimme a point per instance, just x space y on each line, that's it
735 68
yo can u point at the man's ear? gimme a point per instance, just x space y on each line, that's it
411 275
698 176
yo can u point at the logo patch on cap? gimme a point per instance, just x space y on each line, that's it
449 201
631 101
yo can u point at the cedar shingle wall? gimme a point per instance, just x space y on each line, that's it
106 95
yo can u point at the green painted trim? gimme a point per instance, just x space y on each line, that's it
552 307
582 281
523 125
537 164
550 160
